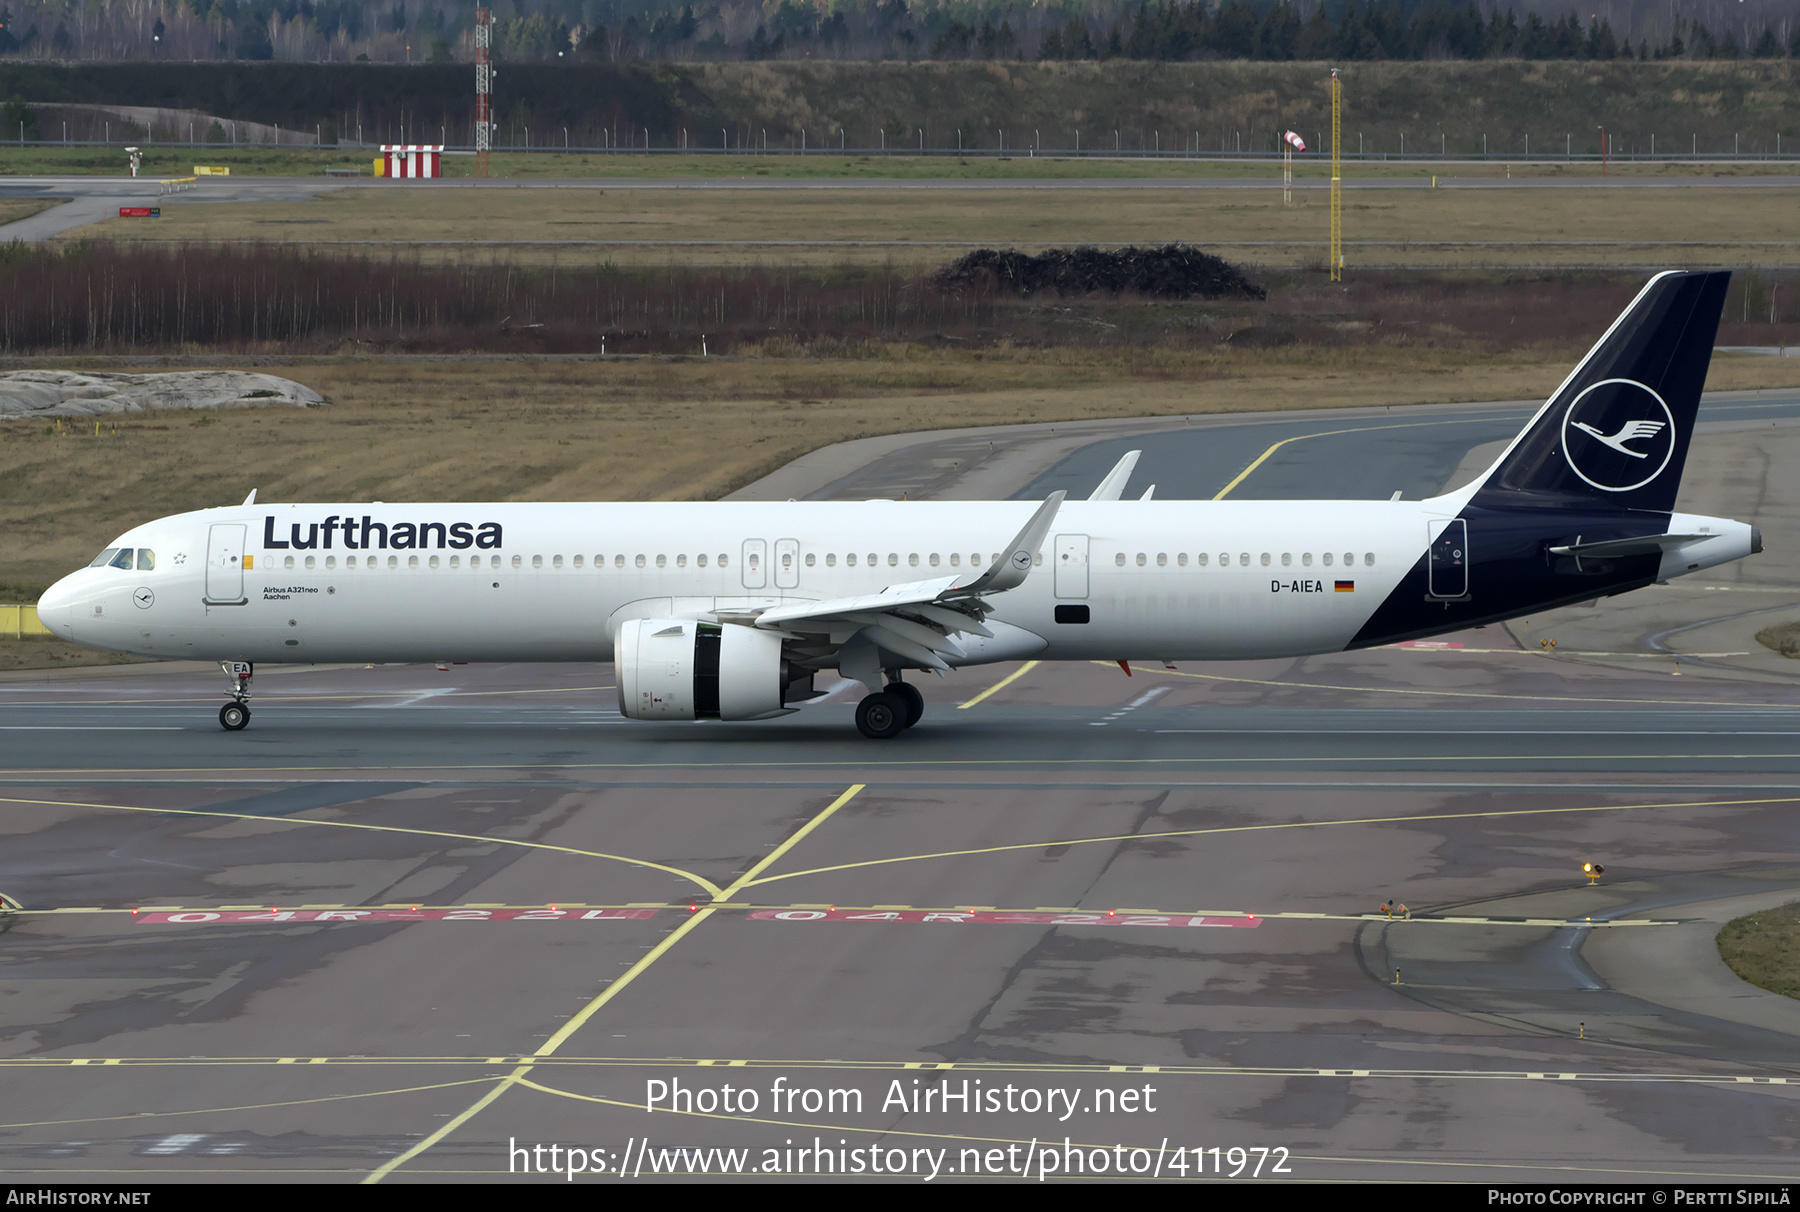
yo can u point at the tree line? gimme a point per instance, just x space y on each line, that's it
443 31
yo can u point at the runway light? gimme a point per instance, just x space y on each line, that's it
1593 871
693 908
1112 913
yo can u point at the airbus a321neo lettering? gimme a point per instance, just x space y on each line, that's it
730 610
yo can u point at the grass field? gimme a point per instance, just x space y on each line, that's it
1676 226
1764 949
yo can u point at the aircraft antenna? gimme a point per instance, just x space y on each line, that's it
1337 178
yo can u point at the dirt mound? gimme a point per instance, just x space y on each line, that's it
1174 271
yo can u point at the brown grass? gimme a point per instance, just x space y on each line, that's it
664 429
916 226
1764 949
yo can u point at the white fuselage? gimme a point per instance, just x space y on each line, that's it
552 582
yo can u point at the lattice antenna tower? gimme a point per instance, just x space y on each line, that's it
484 92
1337 178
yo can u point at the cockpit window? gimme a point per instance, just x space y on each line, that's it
146 559
104 558
123 559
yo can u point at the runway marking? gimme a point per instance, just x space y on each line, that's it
702 881
854 1066
1330 433
1016 918
292 1102
290 699
231 916
1455 694
1221 829
614 988
1002 684
757 911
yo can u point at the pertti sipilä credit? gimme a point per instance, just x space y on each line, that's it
371 535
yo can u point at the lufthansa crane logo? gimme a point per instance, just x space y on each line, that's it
1618 435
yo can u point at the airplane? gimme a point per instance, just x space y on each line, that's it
728 610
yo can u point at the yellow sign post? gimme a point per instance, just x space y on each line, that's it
1337 178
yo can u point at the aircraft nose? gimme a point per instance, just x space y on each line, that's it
56 608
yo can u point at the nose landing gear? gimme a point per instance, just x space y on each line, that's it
890 712
235 715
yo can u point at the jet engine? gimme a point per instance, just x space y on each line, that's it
681 669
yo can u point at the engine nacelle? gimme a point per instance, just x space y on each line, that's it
680 669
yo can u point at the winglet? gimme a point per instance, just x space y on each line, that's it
1113 486
251 499
1015 563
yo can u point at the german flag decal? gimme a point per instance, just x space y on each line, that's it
1346 586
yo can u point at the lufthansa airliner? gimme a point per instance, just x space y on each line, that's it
726 610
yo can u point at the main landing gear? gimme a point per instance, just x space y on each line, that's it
889 712
235 715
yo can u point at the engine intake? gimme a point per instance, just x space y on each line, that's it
681 669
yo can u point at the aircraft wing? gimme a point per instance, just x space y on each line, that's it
919 621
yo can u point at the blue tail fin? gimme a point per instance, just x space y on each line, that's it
1616 433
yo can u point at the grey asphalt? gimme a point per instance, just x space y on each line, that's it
1536 1028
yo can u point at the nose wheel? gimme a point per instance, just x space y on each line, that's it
234 715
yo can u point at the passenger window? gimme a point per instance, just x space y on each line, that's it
1181 558
1119 559
831 559
618 561
1287 559
289 562
411 561
146 560
850 560
700 560
1037 561
1349 558
1369 559
1200 559
662 561
974 559
811 559
1265 559
576 561
1306 559
331 561
681 561
1243 559
518 561
1140 561
1326 558
555 562
894 559
433 561
309 561
123 559
1162 559
640 561
724 560
955 560
934 559
104 558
